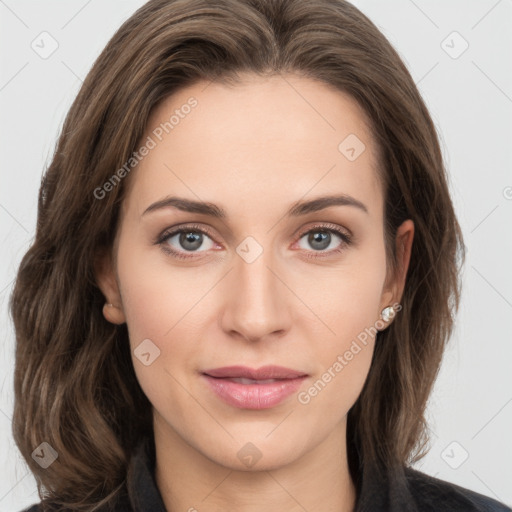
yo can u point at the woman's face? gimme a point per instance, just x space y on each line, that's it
269 282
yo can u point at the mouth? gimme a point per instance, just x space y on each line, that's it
247 388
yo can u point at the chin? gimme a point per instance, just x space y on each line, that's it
253 449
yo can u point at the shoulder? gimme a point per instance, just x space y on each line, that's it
429 492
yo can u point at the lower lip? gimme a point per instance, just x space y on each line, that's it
253 396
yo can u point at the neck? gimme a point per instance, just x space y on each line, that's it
189 481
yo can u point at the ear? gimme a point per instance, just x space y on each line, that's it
393 290
107 282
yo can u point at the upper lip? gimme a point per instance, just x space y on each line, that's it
265 372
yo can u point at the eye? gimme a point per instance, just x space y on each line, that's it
190 239
185 239
322 237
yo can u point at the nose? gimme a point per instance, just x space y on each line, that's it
256 302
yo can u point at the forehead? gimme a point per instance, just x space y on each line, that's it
279 138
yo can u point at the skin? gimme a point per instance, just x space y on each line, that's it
254 149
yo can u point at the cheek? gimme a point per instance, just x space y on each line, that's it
344 360
349 300
161 306
350 309
156 296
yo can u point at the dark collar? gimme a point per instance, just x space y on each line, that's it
142 489
384 492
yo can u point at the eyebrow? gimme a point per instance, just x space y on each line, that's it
297 209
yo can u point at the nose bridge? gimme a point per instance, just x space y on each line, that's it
253 275
256 304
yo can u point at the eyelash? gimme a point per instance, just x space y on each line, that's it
346 239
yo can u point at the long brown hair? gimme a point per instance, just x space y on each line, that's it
75 387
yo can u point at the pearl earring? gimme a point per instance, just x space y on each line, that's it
388 313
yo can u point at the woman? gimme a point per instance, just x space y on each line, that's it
245 271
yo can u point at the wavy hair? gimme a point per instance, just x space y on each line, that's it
74 382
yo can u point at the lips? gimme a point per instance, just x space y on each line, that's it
263 373
248 388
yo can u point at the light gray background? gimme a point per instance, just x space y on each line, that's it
470 99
